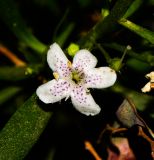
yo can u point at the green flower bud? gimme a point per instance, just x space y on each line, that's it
72 49
116 64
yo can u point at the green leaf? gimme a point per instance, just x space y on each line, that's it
19 73
146 57
142 32
133 8
8 93
140 100
10 15
138 66
106 25
150 2
66 31
61 39
23 130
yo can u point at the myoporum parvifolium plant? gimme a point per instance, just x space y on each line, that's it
76 79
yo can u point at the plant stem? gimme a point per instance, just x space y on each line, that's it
91 149
106 55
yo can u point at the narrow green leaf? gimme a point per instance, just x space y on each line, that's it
10 15
60 24
140 100
23 130
61 39
19 73
106 25
8 93
143 32
145 57
150 2
133 8
138 66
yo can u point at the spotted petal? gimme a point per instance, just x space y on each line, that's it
53 91
100 77
84 60
57 60
83 101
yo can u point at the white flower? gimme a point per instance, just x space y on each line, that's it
150 84
74 79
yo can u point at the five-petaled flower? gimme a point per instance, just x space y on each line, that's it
74 79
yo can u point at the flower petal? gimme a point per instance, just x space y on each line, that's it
53 91
83 101
83 60
57 60
100 77
146 88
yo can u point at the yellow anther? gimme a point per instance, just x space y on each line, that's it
69 64
56 75
87 91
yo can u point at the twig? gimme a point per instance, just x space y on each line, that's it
142 134
10 55
91 149
111 130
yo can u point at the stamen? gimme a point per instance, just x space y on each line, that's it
56 75
76 76
69 64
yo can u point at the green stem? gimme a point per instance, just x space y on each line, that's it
125 51
23 130
106 55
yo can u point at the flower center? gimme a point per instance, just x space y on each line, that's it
76 76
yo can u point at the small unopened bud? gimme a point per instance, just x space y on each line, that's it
72 49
